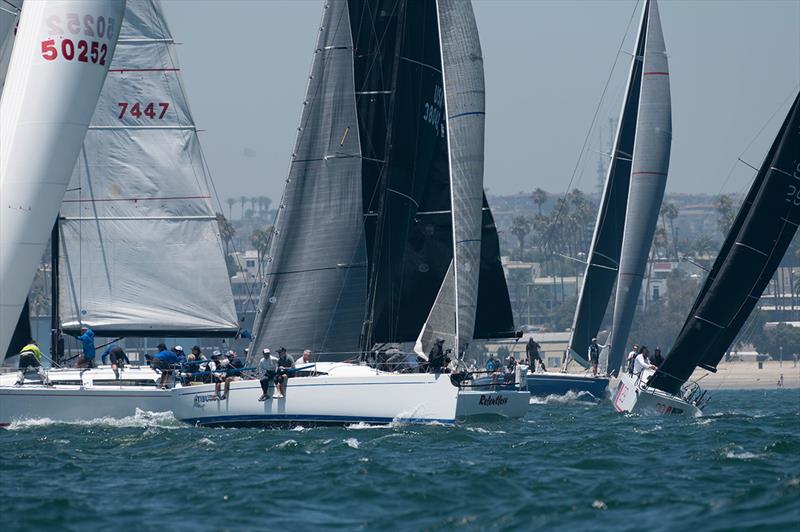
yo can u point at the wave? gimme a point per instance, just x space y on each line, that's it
352 443
140 419
571 397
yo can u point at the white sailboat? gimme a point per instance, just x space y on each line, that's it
138 200
756 243
385 176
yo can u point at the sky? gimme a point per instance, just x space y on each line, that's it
734 69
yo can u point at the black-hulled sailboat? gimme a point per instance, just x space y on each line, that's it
756 243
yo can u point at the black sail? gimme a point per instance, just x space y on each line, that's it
604 253
763 230
413 240
22 332
493 318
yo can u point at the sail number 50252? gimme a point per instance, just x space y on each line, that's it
82 51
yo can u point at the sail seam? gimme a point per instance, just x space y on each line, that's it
101 128
154 198
133 218
420 63
752 249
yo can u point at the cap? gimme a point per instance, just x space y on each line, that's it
231 353
161 346
266 351
281 349
178 348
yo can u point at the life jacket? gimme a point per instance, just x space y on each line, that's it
32 349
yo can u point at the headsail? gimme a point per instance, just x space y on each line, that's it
604 253
41 129
9 16
316 279
648 180
140 247
761 233
453 314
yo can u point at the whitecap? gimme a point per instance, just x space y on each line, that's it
482 430
599 505
286 444
743 455
205 441
141 419
351 442
570 397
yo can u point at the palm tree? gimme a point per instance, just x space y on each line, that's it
520 227
230 202
539 197
260 240
726 213
672 214
226 231
242 200
263 204
253 203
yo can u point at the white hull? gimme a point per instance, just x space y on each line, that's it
501 403
97 396
633 395
338 394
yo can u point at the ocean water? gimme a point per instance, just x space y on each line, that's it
567 466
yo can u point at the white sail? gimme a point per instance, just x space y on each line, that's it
60 59
141 252
452 316
9 16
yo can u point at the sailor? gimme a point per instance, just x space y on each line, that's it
492 364
30 356
117 357
511 364
305 359
192 367
198 353
232 366
180 354
266 370
632 357
285 362
436 357
642 361
532 351
163 361
86 360
657 358
594 354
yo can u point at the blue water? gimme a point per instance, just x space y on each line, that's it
567 466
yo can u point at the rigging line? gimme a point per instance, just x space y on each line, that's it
594 121
752 141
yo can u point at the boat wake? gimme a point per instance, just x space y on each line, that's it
141 419
570 397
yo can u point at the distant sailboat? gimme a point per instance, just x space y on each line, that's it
41 130
382 213
631 198
754 247
138 247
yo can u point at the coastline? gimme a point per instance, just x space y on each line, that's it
741 375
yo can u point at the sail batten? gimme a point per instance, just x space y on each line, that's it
140 250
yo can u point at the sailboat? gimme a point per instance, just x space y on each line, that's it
136 245
629 207
754 247
377 241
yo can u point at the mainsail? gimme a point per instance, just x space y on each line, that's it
604 254
9 16
140 252
648 179
41 129
753 249
316 280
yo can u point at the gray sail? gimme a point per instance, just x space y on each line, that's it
141 252
604 253
315 289
648 180
9 16
464 99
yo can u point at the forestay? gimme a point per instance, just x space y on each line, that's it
757 242
648 180
316 275
141 252
47 103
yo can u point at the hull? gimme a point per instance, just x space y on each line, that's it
633 396
334 394
585 386
501 403
82 397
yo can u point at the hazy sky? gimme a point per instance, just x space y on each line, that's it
732 62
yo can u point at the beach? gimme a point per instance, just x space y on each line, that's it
746 375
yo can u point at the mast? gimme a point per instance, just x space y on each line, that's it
41 131
650 165
604 253
55 321
762 231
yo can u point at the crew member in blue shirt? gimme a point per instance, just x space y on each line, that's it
163 361
86 360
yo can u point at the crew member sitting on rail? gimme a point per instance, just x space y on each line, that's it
285 362
266 370
232 366
30 356
163 361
